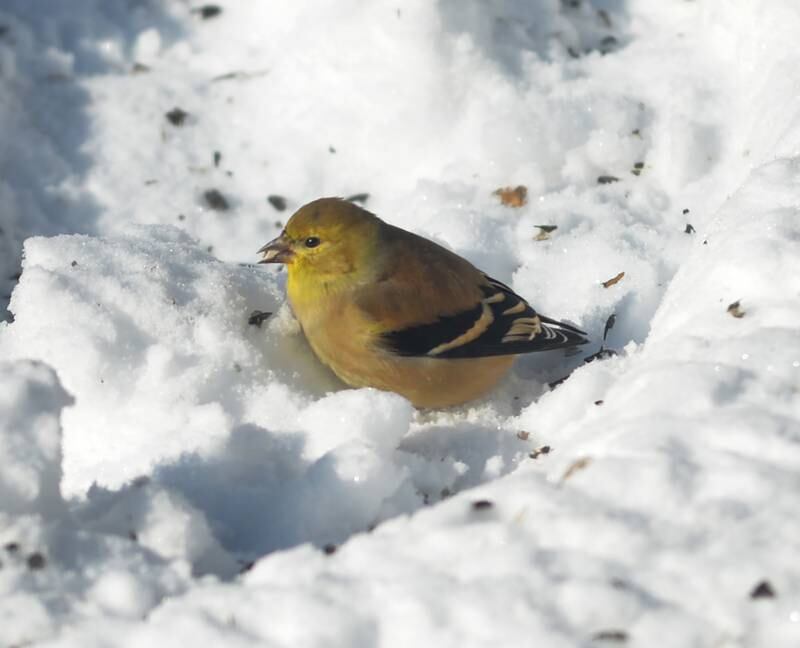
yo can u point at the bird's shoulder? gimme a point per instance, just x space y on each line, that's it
417 281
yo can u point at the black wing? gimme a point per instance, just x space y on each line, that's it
502 323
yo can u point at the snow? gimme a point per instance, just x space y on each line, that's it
53 570
174 470
31 402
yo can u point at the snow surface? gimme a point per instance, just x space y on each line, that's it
174 473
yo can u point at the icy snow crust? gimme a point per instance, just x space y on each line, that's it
171 473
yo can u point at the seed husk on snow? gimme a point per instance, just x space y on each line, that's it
538 452
208 11
215 200
278 202
763 589
36 561
735 310
608 44
257 318
611 635
544 232
177 116
612 319
603 352
358 198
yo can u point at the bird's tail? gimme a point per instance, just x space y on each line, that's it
559 335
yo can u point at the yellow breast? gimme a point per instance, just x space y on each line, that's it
344 339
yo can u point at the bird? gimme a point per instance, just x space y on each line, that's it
386 308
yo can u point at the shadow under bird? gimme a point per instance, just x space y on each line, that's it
385 308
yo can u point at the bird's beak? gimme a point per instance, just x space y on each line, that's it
278 250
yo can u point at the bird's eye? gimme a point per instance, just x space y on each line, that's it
311 242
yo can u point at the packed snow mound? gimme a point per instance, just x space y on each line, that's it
51 568
148 315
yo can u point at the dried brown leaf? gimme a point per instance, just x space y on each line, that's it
512 196
575 466
614 280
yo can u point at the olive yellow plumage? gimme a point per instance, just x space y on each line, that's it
385 308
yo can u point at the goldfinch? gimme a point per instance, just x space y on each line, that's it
385 308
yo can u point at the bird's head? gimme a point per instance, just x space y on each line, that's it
325 239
